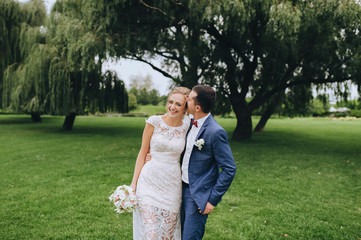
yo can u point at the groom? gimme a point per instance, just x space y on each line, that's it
206 151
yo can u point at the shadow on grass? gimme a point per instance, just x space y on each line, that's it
16 120
26 119
270 141
299 143
53 125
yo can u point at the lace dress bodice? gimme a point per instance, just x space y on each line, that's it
159 187
167 143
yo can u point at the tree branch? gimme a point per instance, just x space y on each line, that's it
180 38
258 101
164 73
171 56
211 30
155 8
250 67
164 13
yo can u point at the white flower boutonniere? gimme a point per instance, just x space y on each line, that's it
199 144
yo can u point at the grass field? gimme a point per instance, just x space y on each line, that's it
300 179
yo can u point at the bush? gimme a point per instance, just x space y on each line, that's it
350 104
132 103
341 114
355 113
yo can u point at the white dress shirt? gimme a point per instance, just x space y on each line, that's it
191 138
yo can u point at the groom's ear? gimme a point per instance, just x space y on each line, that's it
198 108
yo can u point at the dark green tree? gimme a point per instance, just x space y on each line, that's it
11 18
58 70
113 95
257 48
77 63
25 82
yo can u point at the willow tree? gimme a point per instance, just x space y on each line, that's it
76 83
75 63
107 95
25 81
10 25
243 48
113 96
59 68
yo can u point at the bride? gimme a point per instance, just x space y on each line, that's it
158 183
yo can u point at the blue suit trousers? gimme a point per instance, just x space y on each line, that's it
193 222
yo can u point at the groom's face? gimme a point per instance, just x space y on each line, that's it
190 102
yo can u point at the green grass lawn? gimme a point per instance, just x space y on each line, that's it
300 179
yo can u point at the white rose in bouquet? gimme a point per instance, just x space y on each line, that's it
124 199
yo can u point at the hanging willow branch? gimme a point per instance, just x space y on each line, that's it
55 68
59 87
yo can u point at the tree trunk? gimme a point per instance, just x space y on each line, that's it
35 117
277 100
69 121
244 127
262 122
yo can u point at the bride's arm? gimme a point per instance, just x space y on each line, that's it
147 135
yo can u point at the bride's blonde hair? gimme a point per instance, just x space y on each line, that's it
182 90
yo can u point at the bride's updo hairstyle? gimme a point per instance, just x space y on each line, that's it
182 90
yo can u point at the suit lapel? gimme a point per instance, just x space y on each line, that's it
204 126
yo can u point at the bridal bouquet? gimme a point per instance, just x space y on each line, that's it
124 199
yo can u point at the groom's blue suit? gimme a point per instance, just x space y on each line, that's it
206 183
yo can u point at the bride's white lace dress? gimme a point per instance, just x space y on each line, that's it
159 187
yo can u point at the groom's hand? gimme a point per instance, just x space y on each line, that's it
208 209
148 157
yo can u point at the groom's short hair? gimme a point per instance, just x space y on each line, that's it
206 97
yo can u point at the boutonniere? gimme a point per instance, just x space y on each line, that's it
199 144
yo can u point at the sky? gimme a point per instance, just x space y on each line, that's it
127 69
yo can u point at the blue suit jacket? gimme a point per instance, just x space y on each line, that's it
206 183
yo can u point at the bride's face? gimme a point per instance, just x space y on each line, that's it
176 106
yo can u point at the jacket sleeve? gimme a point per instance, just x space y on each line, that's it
224 158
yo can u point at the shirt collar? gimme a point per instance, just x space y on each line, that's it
202 120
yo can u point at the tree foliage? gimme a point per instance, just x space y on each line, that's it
11 18
271 51
56 68
25 80
351 104
257 48
112 96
